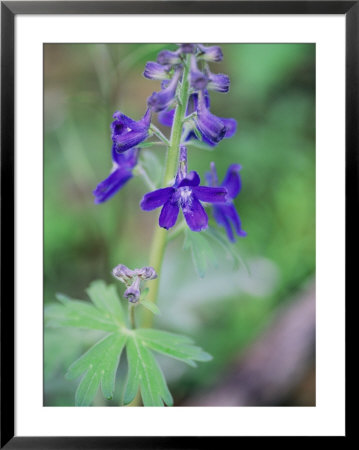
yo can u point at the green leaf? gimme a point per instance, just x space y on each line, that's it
99 365
79 314
105 313
105 298
173 345
145 374
202 252
151 307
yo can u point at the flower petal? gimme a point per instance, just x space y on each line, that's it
195 215
108 187
232 180
166 117
222 220
231 127
218 82
232 215
155 199
192 179
169 214
210 194
130 139
127 159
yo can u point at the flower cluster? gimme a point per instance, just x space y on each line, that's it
187 66
132 279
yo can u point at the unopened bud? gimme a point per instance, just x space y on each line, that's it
133 292
146 273
123 273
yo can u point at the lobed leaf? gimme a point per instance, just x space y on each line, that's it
145 374
78 314
172 345
105 298
99 365
105 313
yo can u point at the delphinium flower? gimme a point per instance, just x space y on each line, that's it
185 194
225 214
127 133
186 82
123 165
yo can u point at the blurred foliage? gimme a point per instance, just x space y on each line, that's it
272 97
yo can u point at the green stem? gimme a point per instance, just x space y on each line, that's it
131 312
160 236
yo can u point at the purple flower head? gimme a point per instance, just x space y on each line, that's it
133 292
168 57
218 82
123 164
186 194
159 101
155 71
225 214
127 133
198 79
211 54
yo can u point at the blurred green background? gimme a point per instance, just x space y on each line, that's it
272 97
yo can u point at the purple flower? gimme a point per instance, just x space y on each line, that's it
211 127
155 71
225 214
186 194
198 79
159 101
123 165
168 57
211 54
218 82
127 133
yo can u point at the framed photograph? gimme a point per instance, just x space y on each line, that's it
174 219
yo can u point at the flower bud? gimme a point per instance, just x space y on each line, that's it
123 273
133 292
146 273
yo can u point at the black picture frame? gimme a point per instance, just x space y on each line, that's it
9 10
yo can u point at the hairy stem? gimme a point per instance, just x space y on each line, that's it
160 236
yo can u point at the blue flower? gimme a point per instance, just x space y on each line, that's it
186 194
159 101
127 133
168 57
155 71
211 127
123 164
218 81
225 214
211 54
